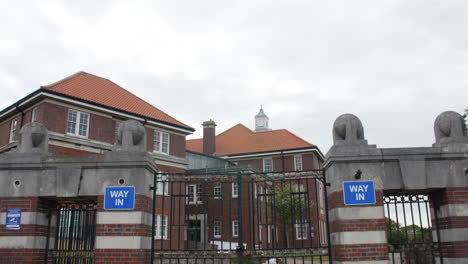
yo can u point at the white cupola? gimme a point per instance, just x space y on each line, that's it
261 121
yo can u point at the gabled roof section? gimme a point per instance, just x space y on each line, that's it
239 140
101 91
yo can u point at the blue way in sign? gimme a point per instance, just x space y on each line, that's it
359 192
119 198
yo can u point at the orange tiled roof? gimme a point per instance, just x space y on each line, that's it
239 139
102 91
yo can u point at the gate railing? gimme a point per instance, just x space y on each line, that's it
412 231
240 217
74 232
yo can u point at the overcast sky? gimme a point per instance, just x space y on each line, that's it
394 64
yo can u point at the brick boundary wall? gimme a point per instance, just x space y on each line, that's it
453 224
358 237
121 242
130 256
15 249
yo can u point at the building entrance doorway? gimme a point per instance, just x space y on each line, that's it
194 231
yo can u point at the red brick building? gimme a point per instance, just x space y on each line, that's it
82 113
264 149
267 151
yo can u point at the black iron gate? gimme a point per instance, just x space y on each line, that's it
412 230
241 216
71 232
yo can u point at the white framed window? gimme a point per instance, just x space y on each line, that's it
301 230
235 190
297 162
267 165
235 228
162 185
217 190
299 187
13 128
260 227
323 232
268 228
161 142
321 197
161 227
217 231
34 114
194 193
77 123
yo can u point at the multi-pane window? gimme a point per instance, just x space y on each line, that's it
299 187
301 230
13 128
323 232
321 197
267 165
199 192
217 190
78 123
194 193
298 162
217 229
260 227
235 228
34 115
161 226
161 142
235 189
162 184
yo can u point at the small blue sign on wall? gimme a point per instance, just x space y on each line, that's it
358 192
13 219
119 198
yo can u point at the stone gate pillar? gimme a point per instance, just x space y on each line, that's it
24 243
34 184
357 231
450 170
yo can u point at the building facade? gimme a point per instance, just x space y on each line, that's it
82 113
264 152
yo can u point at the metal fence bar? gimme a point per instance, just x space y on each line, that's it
409 228
267 229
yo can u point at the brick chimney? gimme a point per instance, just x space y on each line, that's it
209 137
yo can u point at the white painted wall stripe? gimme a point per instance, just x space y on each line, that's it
123 218
453 260
123 242
22 242
453 210
353 213
455 234
358 237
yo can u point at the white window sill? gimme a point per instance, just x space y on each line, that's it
75 135
162 153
